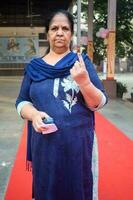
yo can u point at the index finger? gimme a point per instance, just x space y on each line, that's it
81 59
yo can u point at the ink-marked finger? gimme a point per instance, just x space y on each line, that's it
81 61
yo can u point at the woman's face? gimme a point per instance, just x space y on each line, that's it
59 34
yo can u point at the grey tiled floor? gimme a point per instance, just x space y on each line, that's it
119 112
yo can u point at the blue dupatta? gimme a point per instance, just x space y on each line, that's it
39 70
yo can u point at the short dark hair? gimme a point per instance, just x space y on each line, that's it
64 12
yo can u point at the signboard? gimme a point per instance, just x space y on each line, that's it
18 49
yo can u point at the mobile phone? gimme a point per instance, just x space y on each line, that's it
49 125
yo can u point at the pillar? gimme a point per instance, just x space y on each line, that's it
111 39
90 48
110 82
78 25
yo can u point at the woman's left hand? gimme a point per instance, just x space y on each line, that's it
79 72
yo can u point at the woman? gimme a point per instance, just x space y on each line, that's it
64 86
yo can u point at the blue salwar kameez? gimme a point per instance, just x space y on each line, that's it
61 161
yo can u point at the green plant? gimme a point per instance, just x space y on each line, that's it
121 88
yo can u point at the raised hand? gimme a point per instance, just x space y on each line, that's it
79 72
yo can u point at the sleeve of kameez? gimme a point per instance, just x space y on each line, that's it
24 93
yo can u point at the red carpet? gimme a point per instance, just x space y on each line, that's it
19 186
115 166
116 162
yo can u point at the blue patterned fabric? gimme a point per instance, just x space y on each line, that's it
62 160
